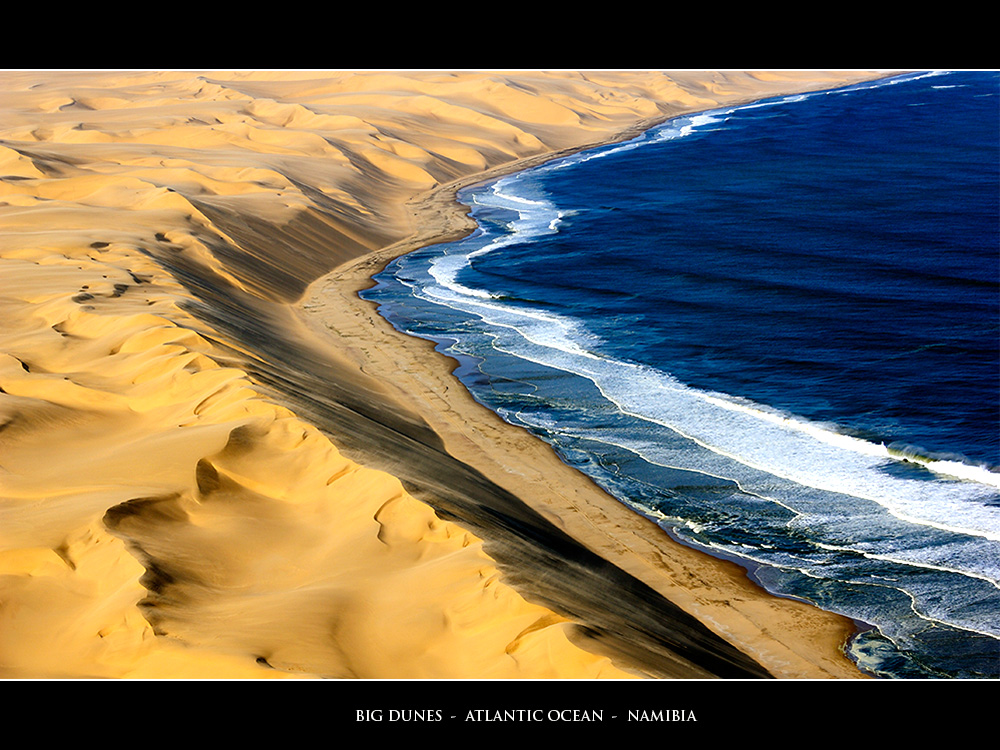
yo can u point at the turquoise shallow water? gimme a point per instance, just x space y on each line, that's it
774 330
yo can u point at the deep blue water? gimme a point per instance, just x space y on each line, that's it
775 330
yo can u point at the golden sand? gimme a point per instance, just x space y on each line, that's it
216 461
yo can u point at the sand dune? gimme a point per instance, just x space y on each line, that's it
207 471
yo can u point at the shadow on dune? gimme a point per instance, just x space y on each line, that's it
620 615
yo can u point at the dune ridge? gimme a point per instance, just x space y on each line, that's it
215 462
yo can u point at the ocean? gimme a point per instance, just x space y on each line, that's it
774 329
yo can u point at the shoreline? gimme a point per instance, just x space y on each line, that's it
738 609
221 463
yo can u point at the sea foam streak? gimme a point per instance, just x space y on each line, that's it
783 445
754 445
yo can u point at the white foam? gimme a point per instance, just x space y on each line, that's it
750 434
746 433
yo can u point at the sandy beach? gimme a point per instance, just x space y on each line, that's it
218 462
